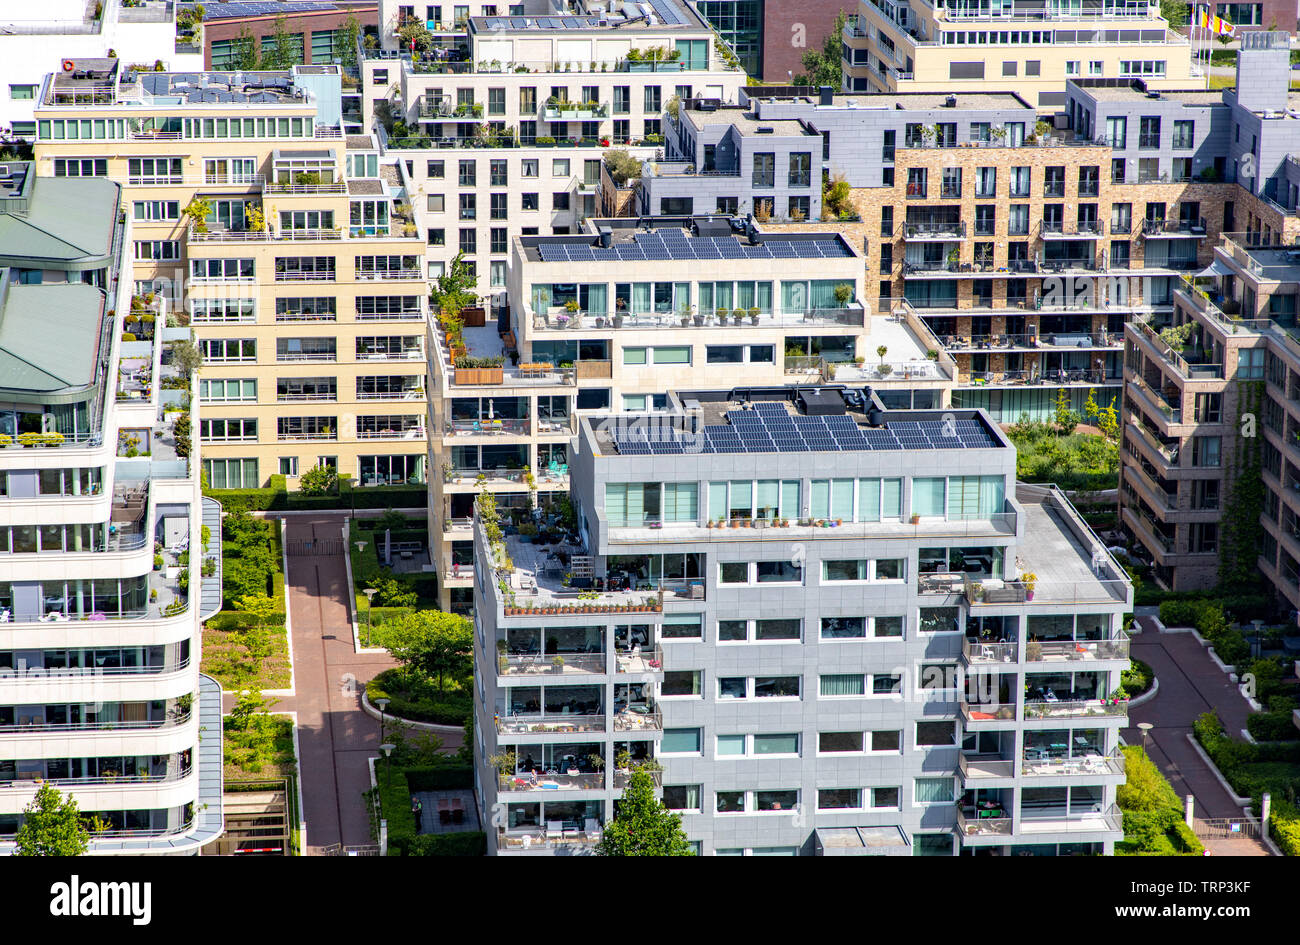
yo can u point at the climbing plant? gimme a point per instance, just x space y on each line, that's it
1242 535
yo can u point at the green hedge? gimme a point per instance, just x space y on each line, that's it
236 620
1153 812
1272 726
395 804
468 843
440 778
276 498
1284 827
1211 622
1137 678
1252 770
450 709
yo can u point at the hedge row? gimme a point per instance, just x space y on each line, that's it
1284 827
445 711
237 620
467 843
1210 621
440 778
276 498
1252 770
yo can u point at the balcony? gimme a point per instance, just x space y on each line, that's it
549 724
1073 650
559 664
639 718
1088 764
986 712
574 111
558 836
525 782
1083 229
985 823
639 661
1109 820
1085 708
974 769
934 231
976 653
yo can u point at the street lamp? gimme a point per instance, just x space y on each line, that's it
1257 644
370 593
387 749
382 702
1145 728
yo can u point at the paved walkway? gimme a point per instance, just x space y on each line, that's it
1190 684
335 736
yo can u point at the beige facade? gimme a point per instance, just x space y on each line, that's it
916 46
311 326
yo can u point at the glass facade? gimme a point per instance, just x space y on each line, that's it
740 23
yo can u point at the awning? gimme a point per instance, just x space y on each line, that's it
1215 268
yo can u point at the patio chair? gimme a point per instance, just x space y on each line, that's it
555 830
592 828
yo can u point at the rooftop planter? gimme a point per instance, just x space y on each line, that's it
479 371
648 605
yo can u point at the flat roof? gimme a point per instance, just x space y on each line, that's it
746 121
776 426
974 101
1068 569
1134 93
231 9
675 243
650 15
214 87
49 336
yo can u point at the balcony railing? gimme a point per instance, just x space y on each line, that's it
975 769
525 782
548 724
988 712
984 823
1083 764
935 231
1089 708
977 652
569 835
1077 650
554 664
484 426
632 721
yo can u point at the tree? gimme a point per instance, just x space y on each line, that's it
824 65
186 357
455 288
1066 419
1108 421
319 480
642 825
245 57
622 166
348 34
284 50
434 643
413 32
1175 11
52 826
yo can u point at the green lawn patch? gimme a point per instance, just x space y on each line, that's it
1252 770
417 699
259 745
1074 461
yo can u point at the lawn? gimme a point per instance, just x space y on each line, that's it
398 594
1153 812
261 749
242 651
417 698
1076 461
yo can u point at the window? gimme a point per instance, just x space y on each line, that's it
860 569
288 465
528 201
560 201
1018 219
228 349
80 167
1205 450
155 170
151 210
933 791
680 741
435 169
764 170
800 169
227 390
217 311
681 683
839 798
682 796
936 734
228 430
157 249
22 93
780 630
231 473
842 685
861 628
653 100
752 746
1020 181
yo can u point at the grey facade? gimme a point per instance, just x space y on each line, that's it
872 630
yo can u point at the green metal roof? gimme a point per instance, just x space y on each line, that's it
49 336
69 219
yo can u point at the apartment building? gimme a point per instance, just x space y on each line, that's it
1029 45
612 320
315 28
305 283
821 638
100 691
507 118
1223 356
32 39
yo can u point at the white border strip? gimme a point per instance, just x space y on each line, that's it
288 620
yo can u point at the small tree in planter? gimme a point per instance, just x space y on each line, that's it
843 294
753 315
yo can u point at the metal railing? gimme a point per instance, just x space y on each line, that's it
974 769
170 722
976 652
498 426
555 664
1085 708
628 721
1092 763
1117 649
524 782
549 724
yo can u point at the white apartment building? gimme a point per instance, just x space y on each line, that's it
35 38
100 691
504 122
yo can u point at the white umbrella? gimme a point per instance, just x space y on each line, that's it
491 407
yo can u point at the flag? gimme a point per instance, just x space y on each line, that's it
1223 26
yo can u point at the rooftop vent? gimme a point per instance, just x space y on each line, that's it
950 102
765 130
1153 93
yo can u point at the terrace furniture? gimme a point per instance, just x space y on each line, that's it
444 811
457 810
591 827
555 830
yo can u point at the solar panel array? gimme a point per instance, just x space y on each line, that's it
232 8
669 245
542 22
768 427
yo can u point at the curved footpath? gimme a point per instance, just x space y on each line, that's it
1190 684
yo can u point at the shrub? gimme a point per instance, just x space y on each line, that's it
440 777
1137 678
468 843
1272 726
1284 827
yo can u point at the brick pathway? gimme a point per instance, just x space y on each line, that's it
1190 684
335 736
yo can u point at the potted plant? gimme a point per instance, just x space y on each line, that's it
753 315
843 294
1029 579
932 354
684 312
619 305
721 313
916 518
623 761
736 315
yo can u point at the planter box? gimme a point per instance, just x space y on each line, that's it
485 375
473 317
594 369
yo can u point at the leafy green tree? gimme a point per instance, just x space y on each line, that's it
413 31
823 64
437 644
244 52
1175 11
280 50
52 826
186 357
1066 418
347 35
319 480
622 166
642 825
455 289
393 592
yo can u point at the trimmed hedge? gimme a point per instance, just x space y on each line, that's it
440 778
1284 827
395 804
449 710
277 498
1210 621
1252 770
237 620
1137 678
468 843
